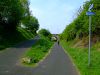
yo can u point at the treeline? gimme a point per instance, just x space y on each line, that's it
44 33
16 13
16 22
79 27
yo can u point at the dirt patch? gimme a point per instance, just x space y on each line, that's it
85 42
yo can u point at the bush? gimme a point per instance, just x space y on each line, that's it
38 51
45 33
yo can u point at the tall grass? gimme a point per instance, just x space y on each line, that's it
80 58
38 51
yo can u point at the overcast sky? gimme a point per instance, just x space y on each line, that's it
54 15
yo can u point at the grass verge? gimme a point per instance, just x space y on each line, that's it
80 58
37 52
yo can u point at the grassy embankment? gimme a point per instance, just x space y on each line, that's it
15 38
38 51
79 55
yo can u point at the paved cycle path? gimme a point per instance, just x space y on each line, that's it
56 63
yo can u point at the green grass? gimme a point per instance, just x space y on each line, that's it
12 39
80 58
38 51
25 33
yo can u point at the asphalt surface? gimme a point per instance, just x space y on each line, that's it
56 63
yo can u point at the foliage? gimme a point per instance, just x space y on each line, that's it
11 40
31 24
10 14
14 13
79 27
29 21
80 58
44 33
38 51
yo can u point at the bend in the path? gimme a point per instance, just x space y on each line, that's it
9 58
56 63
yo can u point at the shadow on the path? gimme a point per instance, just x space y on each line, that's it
25 44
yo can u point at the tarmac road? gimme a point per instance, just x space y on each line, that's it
56 63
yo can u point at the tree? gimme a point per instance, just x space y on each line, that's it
79 27
31 24
11 12
45 33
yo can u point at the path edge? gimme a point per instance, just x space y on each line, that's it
66 52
